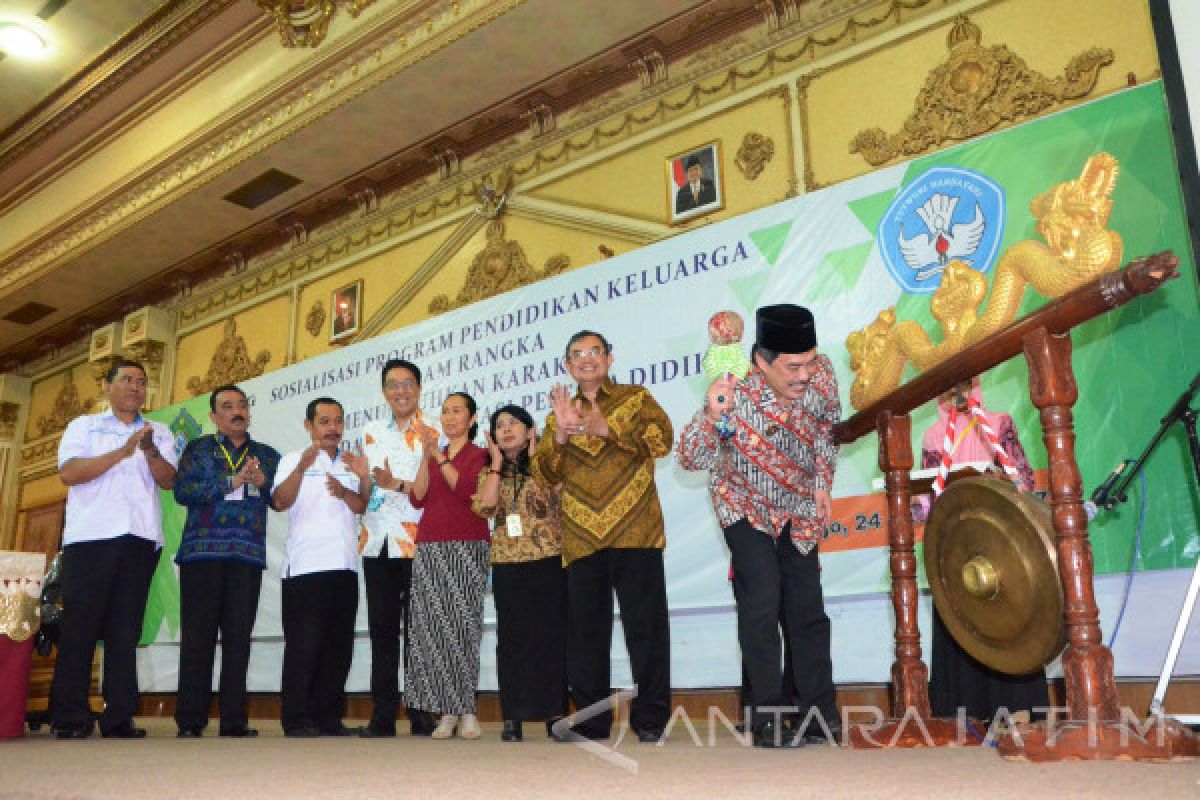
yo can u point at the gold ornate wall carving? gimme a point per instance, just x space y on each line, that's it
315 321
755 153
395 44
8 420
304 23
584 131
39 450
500 267
67 406
151 355
230 363
975 90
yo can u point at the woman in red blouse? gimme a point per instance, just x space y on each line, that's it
450 570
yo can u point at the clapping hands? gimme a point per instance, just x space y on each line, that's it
142 438
429 439
574 418
384 477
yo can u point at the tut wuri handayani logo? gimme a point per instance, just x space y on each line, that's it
946 214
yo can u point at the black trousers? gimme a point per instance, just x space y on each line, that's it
637 576
215 595
531 638
389 590
770 576
104 586
789 678
318 633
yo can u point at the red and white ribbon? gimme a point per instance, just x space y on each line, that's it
989 434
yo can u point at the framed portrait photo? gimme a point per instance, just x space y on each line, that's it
345 312
694 183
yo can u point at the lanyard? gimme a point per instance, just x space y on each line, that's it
518 483
233 468
962 436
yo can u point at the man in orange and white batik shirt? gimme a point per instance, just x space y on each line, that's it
393 447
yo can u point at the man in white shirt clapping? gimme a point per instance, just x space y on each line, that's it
322 490
114 465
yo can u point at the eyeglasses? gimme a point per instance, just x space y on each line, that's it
408 386
594 352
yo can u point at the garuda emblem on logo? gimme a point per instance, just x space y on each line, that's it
946 214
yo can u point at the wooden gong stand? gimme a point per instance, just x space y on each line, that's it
1094 727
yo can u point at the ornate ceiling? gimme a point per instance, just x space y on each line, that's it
78 33
399 91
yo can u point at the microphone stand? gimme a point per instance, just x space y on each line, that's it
1109 497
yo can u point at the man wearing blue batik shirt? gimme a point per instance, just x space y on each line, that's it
225 483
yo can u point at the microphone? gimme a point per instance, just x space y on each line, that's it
1100 498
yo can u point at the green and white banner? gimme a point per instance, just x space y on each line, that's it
846 252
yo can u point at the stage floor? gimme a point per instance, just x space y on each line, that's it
161 766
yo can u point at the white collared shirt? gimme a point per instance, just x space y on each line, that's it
322 533
388 511
125 498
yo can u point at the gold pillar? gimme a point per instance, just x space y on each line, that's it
147 335
105 346
14 407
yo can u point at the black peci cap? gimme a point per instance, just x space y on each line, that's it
785 328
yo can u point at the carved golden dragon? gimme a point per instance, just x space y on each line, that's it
1072 218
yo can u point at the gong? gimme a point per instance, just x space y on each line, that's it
993 571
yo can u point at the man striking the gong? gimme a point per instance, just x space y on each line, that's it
770 480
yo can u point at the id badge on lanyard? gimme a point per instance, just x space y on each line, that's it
232 494
512 526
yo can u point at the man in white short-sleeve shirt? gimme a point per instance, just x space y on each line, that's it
322 490
114 465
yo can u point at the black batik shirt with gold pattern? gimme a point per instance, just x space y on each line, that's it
609 499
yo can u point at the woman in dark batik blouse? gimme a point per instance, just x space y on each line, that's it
528 580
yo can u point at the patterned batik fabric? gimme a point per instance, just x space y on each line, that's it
781 452
390 517
538 507
609 498
217 526
449 580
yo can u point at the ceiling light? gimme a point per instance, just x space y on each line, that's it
19 41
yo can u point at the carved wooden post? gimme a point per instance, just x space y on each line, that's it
1087 663
912 723
910 676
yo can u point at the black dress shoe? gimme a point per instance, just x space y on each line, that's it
124 730
302 732
818 738
772 735
573 735
421 723
239 732
81 730
512 731
377 732
340 730
649 735
190 732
